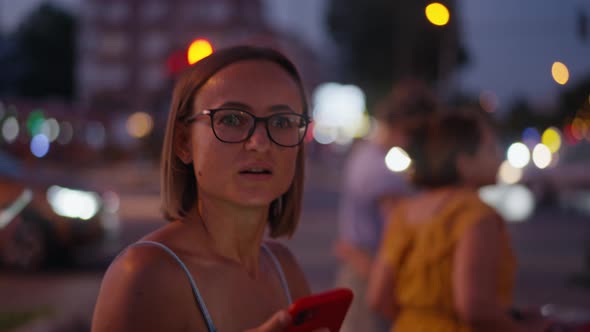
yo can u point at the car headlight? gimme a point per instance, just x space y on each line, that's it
73 203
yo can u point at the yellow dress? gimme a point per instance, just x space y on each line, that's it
421 255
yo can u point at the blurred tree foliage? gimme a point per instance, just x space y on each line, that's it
46 42
573 101
383 40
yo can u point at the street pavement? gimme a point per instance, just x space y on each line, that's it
549 248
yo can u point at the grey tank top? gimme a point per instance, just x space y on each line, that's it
197 294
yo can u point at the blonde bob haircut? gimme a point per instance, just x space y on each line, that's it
178 182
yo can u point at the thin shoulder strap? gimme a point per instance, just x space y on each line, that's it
277 265
196 292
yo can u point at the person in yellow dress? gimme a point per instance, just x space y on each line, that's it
446 263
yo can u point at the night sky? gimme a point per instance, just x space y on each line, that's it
511 44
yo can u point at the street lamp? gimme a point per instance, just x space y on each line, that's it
560 73
437 14
198 49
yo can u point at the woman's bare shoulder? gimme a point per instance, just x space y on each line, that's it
137 291
296 279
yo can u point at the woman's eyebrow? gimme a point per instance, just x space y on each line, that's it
235 104
246 107
281 108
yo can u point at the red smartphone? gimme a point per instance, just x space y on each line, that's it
322 310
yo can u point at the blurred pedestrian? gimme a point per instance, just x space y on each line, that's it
232 168
446 263
369 190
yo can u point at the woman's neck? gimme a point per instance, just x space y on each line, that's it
233 232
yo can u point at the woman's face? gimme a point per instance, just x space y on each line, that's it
482 167
255 172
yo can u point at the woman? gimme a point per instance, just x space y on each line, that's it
369 189
232 167
446 263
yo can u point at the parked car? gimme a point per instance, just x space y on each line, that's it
47 215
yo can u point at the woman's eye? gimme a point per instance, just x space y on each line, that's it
282 122
231 120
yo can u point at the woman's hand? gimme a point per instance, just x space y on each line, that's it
277 323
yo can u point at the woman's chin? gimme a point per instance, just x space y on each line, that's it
254 202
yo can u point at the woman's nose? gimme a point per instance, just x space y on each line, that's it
259 139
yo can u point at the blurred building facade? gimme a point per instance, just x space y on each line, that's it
124 46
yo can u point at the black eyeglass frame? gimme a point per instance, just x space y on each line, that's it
211 112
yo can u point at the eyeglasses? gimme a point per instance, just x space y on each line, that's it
232 125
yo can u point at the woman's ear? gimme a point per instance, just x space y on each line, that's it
464 166
182 143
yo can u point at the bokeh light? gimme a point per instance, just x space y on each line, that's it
397 160
579 128
140 124
515 203
66 133
541 156
325 135
437 14
341 107
509 174
531 137
10 129
518 155
73 203
50 128
560 73
95 134
34 122
552 139
198 50
39 145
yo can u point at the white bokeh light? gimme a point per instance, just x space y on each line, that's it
66 133
542 156
515 203
342 108
397 160
509 174
73 203
50 128
10 129
518 155
325 135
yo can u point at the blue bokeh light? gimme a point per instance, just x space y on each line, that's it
531 137
40 145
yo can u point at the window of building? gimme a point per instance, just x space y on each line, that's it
114 44
113 77
152 77
116 12
218 11
154 45
153 11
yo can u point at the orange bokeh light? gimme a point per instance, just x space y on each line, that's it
199 49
